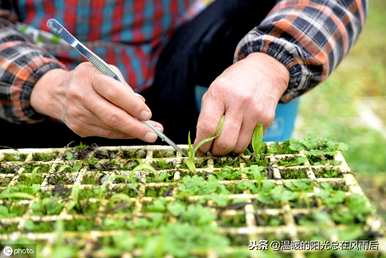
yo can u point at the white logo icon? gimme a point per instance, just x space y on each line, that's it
7 251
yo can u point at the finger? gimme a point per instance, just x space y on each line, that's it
121 96
210 115
140 96
122 79
119 120
227 141
157 125
245 135
120 75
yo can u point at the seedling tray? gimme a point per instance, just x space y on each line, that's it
143 201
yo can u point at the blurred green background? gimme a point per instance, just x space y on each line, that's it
350 104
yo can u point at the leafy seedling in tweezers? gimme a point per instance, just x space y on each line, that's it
192 150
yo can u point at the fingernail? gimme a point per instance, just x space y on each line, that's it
145 115
140 96
150 137
158 126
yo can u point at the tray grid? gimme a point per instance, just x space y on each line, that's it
108 171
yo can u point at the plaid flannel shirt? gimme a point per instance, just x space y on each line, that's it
310 37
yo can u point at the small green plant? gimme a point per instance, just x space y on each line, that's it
47 206
192 150
257 141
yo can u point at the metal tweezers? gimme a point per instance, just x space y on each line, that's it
102 66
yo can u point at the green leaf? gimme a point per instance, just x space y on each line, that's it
217 133
144 167
16 196
257 139
193 149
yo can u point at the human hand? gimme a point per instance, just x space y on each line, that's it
93 104
247 94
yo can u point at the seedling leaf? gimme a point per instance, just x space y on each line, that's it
257 139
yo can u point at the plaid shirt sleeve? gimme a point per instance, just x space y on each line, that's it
310 37
21 66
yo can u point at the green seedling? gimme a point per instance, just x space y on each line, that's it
12 209
196 185
20 192
228 173
192 149
257 141
47 206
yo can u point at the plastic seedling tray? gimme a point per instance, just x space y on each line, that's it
144 201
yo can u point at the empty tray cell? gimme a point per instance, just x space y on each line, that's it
267 220
119 204
109 165
232 221
323 159
13 157
47 206
45 156
39 226
164 153
109 154
30 179
6 168
133 154
161 164
34 167
12 209
61 178
327 172
292 161
80 225
226 161
228 173
80 152
131 190
298 173
160 177
7 228
57 190
159 191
